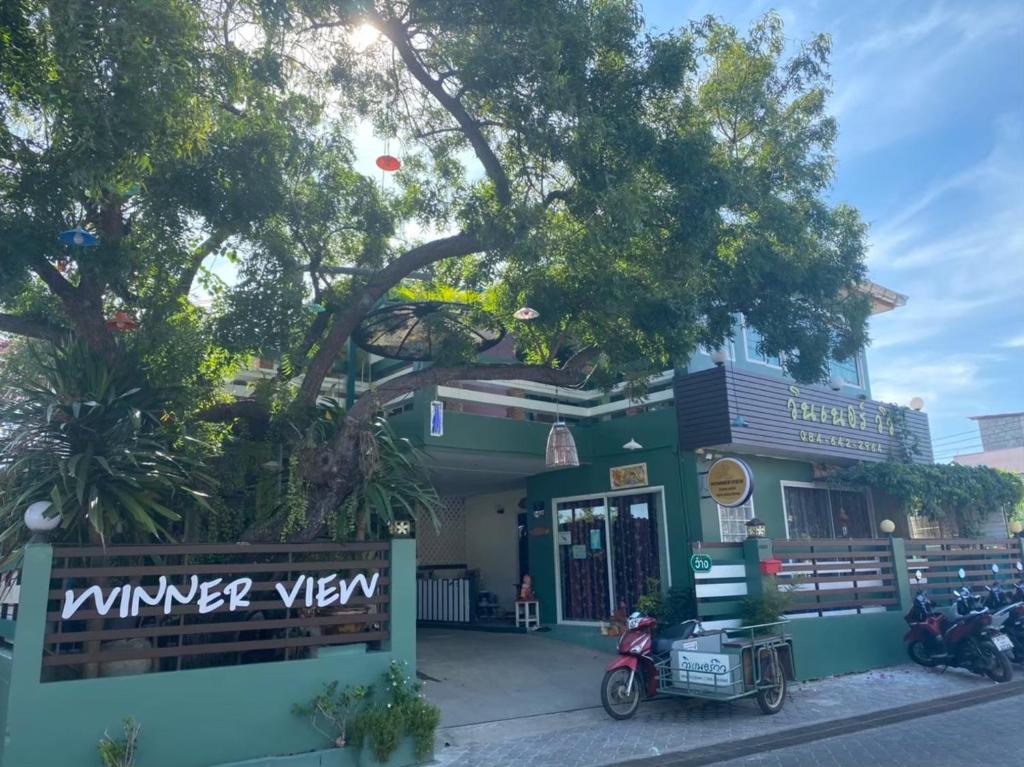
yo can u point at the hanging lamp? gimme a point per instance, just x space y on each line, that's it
561 448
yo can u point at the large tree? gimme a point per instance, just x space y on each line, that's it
638 190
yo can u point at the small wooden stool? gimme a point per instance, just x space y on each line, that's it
528 614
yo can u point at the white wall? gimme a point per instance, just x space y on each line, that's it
492 543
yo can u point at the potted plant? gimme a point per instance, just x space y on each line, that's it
399 727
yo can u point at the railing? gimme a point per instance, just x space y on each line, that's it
835 577
517 400
940 560
721 591
137 609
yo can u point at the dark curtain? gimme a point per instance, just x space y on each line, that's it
850 514
635 537
808 513
584 580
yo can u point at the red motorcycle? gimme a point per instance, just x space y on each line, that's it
632 676
751 661
970 642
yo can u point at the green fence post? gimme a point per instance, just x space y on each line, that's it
403 599
756 551
901 573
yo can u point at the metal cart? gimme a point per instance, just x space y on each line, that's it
728 664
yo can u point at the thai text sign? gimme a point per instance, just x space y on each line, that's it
740 409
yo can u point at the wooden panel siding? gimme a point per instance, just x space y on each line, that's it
261 629
825 577
939 561
708 401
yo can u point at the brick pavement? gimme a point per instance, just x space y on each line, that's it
588 738
981 734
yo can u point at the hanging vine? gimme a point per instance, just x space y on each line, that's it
961 495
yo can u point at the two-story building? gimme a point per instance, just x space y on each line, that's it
593 535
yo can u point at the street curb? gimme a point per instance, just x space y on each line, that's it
721 752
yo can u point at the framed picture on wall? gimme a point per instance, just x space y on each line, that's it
633 475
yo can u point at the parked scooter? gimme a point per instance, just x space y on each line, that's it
632 676
1007 604
968 641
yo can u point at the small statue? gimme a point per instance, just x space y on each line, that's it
526 589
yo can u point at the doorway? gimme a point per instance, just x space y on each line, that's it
607 547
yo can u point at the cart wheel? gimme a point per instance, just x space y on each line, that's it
772 694
614 698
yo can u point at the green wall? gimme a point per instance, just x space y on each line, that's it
846 644
768 474
600 448
193 718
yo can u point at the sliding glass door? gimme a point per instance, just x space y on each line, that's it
609 547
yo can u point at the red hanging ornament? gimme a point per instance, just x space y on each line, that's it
388 163
121 323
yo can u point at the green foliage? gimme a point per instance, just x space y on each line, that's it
401 711
332 710
393 483
671 607
960 495
770 606
88 437
120 752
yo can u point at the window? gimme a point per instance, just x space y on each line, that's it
848 370
751 342
732 521
926 527
813 512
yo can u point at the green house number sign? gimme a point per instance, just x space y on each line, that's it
700 563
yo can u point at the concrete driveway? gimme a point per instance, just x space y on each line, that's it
481 677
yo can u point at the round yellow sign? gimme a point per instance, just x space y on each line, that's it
730 482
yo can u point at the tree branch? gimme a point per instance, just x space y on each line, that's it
395 31
25 326
348 320
207 247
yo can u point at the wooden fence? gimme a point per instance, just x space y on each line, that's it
939 561
834 577
137 609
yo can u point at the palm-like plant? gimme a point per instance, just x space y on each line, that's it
86 435
393 482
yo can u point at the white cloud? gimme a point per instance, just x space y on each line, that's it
955 383
904 75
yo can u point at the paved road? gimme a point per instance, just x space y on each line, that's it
988 733
690 732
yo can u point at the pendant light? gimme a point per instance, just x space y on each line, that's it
561 449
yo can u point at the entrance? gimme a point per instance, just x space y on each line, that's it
607 549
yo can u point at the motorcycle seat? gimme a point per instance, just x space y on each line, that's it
671 634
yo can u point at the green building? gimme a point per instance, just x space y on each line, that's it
591 536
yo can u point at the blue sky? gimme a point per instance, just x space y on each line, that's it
930 102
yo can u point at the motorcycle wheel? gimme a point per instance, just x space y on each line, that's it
920 655
999 668
771 698
616 702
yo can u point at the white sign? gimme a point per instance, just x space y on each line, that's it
307 590
702 668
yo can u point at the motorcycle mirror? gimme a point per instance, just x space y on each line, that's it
1020 566
962 573
995 569
917 576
